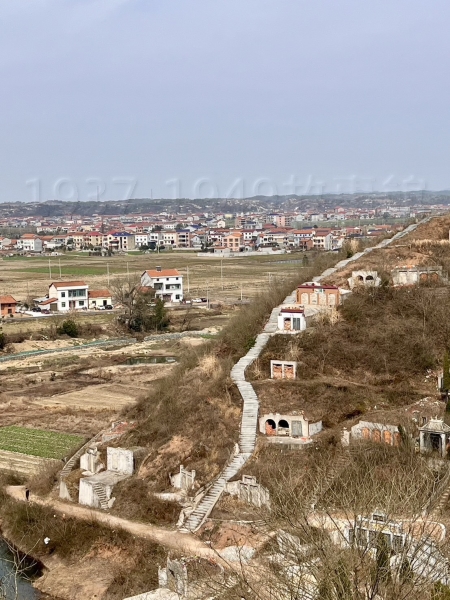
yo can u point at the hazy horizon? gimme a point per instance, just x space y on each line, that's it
138 98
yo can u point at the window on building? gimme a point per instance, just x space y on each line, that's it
81 302
177 297
63 294
63 305
296 323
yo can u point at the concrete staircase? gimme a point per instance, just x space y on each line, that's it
100 493
249 426
249 421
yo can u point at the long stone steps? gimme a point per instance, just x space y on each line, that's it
249 422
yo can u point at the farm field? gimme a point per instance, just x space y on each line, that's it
37 442
220 279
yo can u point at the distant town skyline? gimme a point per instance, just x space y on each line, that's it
138 98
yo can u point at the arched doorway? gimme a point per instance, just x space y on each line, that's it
271 428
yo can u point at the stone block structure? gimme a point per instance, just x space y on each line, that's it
435 437
250 491
283 369
120 460
376 432
364 278
316 295
96 490
417 274
184 480
291 319
90 461
292 426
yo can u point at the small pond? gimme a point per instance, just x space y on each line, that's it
12 587
150 360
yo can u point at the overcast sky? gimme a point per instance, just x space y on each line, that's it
228 97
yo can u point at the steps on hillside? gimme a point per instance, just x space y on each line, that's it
101 495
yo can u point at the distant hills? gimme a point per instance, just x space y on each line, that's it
322 203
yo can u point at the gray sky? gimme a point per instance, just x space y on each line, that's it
191 98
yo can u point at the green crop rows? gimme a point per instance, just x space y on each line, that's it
37 442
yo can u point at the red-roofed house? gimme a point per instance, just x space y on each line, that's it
167 283
98 298
8 305
70 295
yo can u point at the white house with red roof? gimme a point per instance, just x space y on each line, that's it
68 295
167 283
30 242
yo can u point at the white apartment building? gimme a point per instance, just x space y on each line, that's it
30 242
69 295
141 239
167 283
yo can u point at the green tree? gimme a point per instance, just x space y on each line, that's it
3 341
68 327
161 318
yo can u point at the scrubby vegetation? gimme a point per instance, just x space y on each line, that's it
380 352
192 417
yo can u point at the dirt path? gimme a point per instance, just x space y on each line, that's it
175 540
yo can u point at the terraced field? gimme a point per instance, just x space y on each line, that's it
37 442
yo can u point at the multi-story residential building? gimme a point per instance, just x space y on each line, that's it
323 239
234 241
120 241
167 283
68 295
141 239
30 242
4 242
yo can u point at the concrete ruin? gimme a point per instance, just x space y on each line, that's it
248 490
375 432
364 278
120 460
294 426
283 369
90 461
291 319
416 274
434 437
179 579
184 480
96 490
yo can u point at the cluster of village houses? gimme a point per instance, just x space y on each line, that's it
248 235
65 296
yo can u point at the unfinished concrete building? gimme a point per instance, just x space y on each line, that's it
96 490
